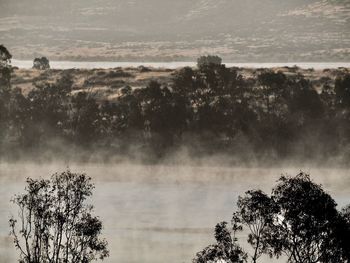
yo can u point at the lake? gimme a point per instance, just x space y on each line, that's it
26 64
156 214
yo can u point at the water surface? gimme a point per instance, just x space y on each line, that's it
153 214
26 64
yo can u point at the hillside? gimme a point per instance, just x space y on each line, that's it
250 30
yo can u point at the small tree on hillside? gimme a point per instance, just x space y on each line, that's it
41 63
208 60
5 68
54 222
5 56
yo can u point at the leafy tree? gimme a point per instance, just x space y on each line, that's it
342 91
256 211
85 118
5 56
304 100
128 113
41 63
226 249
5 91
163 114
5 69
346 213
54 222
343 233
47 114
208 60
19 117
306 223
184 81
272 85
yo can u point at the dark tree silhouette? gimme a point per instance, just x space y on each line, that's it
256 210
5 69
41 63
299 221
5 56
85 119
272 85
346 214
342 91
5 92
54 222
226 249
208 60
307 222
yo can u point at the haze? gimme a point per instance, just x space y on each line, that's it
159 205
165 30
157 213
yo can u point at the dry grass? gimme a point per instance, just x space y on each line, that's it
105 83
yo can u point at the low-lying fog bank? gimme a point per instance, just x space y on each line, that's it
156 212
27 64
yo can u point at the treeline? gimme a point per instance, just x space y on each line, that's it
299 222
211 109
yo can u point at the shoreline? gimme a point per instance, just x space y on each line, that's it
27 64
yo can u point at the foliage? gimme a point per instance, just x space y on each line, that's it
5 56
226 248
5 91
299 221
41 63
342 91
54 222
256 211
208 60
210 109
306 221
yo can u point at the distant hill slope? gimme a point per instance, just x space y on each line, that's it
244 30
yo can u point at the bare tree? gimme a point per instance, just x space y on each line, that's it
55 223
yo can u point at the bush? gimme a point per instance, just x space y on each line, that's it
208 60
41 63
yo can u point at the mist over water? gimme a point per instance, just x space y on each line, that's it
170 149
27 64
153 213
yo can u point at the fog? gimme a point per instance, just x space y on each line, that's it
154 209
28 64
153 213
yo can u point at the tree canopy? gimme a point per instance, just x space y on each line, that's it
298 223
5 56
55 223
226 248
210 109
41 63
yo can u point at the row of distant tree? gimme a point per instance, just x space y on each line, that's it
208 109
